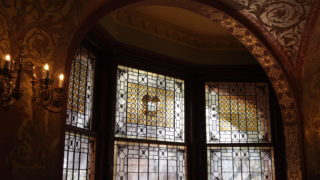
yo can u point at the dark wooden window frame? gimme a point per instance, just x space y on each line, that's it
92 131
110 54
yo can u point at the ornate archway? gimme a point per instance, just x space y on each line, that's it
273 68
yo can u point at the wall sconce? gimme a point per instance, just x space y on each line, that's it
10 79
51 98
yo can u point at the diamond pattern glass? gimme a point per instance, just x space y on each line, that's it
79 107
149 106
79 150
237 112
79 157
240 163
144 161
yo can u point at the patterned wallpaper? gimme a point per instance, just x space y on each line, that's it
45 27
38 24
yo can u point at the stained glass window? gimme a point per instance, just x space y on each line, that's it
79 149
149 113
149 106
79 157
237 112
240 163
149 161
80 93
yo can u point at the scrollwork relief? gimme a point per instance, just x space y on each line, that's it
39 45
39 25
283 19
51 6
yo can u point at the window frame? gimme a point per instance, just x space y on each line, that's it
110 56
132 62
239 74
91 132
247 144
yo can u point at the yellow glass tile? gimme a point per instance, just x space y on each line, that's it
162 109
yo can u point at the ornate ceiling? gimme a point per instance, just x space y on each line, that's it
164 30
169 23
286 24
283 22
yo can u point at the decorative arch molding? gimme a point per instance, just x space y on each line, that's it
283 24
274 69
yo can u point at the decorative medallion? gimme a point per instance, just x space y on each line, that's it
150 103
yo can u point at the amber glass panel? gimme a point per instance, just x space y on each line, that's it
79 150
237 112
80 95
149 106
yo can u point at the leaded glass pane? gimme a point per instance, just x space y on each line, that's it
240 163
80 95
237 112
79 157
143 161
149 106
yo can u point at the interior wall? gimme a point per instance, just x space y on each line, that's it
311 103
30 137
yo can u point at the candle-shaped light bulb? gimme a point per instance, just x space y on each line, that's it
34 75
61 79
7 62
46 67
46 70
8 57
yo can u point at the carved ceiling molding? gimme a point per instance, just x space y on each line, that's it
156 27
281 21
272 68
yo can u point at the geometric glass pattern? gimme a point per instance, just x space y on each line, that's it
144 161
240 163
79 157
237 112
79 149
149 106
80 94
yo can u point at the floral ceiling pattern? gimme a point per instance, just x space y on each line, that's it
283 20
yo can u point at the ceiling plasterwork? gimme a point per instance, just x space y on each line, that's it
284 20
162 29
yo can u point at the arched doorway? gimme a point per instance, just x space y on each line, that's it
260 50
